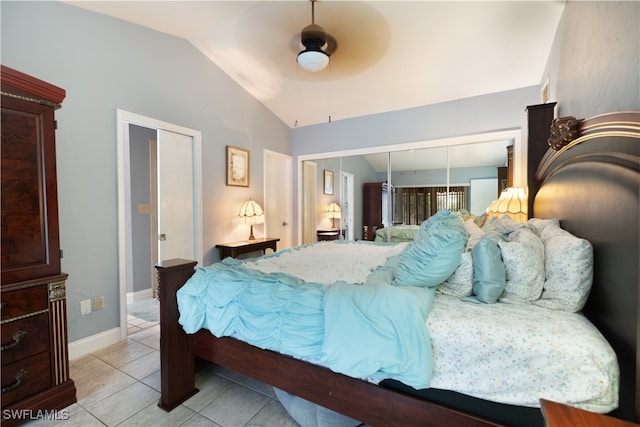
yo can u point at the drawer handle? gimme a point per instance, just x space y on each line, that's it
16 339
19 377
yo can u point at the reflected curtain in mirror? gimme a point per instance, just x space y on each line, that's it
413 205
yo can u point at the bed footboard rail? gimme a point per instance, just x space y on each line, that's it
177 364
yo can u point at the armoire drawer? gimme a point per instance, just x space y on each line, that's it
20 302
25 377
25 337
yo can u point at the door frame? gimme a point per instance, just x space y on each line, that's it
123 119
348 187
307 184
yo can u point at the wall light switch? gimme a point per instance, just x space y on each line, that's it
98 303
85 306
144 208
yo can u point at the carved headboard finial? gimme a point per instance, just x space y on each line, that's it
563 131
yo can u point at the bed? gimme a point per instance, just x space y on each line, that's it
581 182
396 233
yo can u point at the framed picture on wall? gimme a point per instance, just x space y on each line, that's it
328 182
237 166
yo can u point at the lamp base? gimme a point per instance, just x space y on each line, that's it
251 236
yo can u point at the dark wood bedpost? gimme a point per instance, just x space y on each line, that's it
177 379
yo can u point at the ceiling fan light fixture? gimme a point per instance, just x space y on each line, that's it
318 46
313 60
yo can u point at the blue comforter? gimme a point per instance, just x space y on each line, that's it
373 331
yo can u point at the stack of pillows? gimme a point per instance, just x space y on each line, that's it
536 262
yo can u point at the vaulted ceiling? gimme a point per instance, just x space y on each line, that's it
391 55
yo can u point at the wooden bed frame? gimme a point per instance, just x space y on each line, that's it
591 185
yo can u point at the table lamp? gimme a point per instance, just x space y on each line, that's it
251 213
333 212
512 202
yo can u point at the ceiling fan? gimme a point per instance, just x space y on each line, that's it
319 45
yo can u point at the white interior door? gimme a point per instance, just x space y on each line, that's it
278 206
176 201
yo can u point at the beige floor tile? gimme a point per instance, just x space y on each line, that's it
123 404
135 321
153 380
120 386
101 387
72 416
246 381
199 421
153 416
87 368
235 407
152 341
133 329
123 352
146 333
143 366
273 414
210 387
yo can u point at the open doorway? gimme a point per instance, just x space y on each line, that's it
159 169
142 290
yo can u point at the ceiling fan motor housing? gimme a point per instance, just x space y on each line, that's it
314 37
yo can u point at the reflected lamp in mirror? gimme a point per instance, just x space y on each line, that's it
333 212
512 202
250 213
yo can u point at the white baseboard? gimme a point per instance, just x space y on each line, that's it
93 343
140 295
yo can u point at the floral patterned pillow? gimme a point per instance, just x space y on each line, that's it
460 283
523 256
568 269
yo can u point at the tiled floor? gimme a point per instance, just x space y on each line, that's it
135 324
120 386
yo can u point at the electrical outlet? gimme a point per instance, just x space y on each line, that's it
85 306
98 303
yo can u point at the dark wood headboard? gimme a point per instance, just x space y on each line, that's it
592 185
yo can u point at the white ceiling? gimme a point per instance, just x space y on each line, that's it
391 55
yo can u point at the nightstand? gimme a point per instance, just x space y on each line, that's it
332 234
559 415
234 249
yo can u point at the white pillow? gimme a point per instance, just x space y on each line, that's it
523 256
460 283
540 224
502 225
568 269
475 233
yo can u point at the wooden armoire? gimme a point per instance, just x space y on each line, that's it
35 362
375 196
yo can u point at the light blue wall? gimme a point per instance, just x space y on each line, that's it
487 113
105 64
594 65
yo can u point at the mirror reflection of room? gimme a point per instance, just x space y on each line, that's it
387 195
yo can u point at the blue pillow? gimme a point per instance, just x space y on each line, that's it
435 252
489 272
